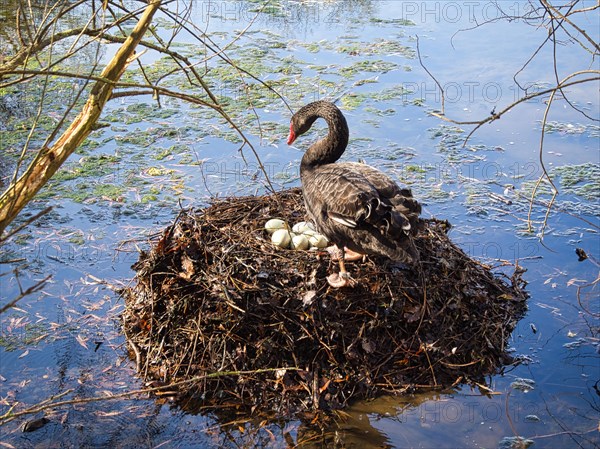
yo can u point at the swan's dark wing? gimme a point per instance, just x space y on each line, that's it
339 194
359 196
379 180
401 198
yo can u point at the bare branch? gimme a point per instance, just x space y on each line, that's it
49 159
34 288
432 77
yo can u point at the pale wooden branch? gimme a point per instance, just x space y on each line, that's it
49 159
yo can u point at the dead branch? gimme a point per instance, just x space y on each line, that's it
34 288
49 159
167 389
43 36
554 18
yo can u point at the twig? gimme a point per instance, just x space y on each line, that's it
443 96
47 404
26 223
34 288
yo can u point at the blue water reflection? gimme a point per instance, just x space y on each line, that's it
67 335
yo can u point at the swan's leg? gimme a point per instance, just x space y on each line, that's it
349 255
352 256
342 279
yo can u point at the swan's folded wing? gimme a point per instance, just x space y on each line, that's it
401 198
344 196
379 180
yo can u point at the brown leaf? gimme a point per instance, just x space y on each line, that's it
82 341
187 264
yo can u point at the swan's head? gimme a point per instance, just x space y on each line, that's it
298 126
300 123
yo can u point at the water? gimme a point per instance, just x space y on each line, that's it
67 336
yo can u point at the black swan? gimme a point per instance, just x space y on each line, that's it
357 207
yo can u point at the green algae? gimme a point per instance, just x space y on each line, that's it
26 336
94 166
377 66
582 180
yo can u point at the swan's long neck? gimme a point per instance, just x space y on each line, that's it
331 147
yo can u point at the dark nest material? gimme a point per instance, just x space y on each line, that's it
241 325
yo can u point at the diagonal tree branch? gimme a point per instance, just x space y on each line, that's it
49 159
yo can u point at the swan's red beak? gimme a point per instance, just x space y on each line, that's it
291 137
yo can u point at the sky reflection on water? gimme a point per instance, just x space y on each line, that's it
476 67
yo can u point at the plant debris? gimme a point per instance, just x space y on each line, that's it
258 329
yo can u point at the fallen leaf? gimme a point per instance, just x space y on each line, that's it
82 341
308 297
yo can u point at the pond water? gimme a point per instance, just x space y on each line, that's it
130 178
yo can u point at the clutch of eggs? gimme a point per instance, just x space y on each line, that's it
301 237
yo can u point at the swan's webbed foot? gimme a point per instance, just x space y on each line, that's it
343 278
339 280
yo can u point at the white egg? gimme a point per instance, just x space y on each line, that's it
300 242
274 224
318 240
303 226
281 238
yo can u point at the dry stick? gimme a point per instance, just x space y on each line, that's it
216 107
541 155
23 225
492 117
221 54
218 52
559 209
14 199
435 384
50 42
240 73
562 17
65 114
431 75
584 308
46 404
552 36
28 49
559 24
497 115
34 288
562 425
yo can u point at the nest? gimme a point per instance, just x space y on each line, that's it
237 324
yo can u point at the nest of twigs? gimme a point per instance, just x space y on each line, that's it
236 323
